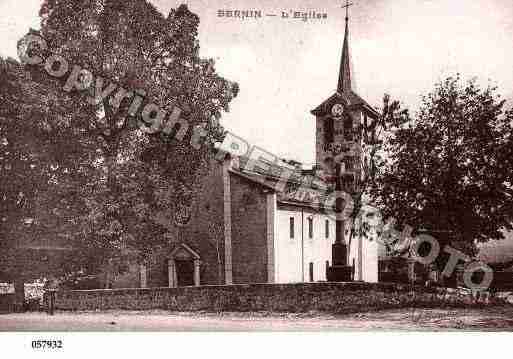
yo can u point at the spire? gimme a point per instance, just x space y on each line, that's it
344 76
346 87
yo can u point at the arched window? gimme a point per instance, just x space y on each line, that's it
329 130
310 227
348 128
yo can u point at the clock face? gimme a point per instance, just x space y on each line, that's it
337 110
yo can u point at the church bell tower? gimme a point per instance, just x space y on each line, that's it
340 121
341 124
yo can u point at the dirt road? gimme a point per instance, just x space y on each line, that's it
489 319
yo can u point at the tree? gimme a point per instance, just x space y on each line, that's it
78 173
366 144
134 176
447 171
34 130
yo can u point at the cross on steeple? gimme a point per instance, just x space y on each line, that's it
346 6
344 77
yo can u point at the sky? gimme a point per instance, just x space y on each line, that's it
286 67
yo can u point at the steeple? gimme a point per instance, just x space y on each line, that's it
344 76
345 94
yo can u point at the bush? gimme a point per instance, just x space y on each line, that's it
81 283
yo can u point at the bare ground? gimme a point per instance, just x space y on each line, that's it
498 318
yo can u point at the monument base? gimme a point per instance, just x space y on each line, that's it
338 273
339 254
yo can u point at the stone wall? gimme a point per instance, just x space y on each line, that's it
6 302
301 297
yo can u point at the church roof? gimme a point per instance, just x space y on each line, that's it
300 189
345 93
344 74
349 99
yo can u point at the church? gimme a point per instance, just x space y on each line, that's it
246 226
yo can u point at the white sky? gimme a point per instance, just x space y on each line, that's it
285 68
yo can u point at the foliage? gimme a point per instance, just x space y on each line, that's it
447 171
132 44
80 171
34 133
363 216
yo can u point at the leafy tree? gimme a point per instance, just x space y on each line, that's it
447 170
81 171
145 175
371 134
34 130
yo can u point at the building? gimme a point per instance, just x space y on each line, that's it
245 226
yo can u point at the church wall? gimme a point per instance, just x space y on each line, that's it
249 231
129 279
318 248
288 250
371 261
368 248
205 231
157 270
294 255
319 141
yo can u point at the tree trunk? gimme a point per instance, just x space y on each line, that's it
19 294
